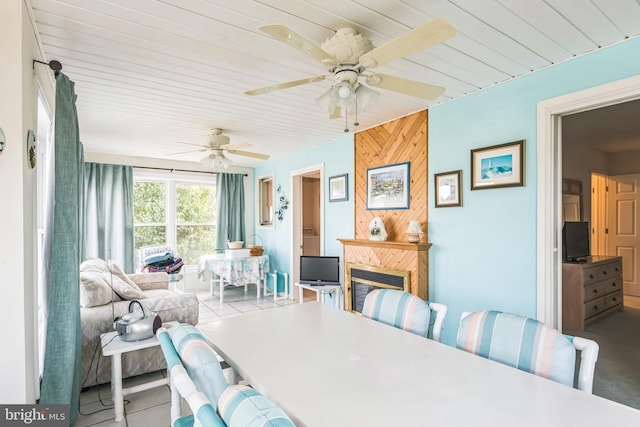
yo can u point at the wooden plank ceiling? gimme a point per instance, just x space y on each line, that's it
152 74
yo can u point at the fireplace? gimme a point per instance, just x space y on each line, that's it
362 279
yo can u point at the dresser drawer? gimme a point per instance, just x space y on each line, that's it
613 299
600 272
603 288
594 307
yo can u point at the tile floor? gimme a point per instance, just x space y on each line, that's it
151 408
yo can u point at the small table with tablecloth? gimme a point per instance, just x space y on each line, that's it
233 271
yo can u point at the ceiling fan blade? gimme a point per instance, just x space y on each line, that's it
285 85
417 39
186 152
249 154
290 37
235 145
406 86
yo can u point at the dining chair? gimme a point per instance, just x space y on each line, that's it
405 311
528 345
183 387
188 353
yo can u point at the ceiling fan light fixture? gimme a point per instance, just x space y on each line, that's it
365 97
216 162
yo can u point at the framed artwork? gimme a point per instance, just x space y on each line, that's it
448 191
498 166
339 188
388 187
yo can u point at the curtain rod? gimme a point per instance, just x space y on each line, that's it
177 170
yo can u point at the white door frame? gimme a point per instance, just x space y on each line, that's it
296 220
549 278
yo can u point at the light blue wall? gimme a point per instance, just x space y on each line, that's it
484 253
338 158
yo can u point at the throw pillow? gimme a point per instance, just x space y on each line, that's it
117 271
94 290
122 288
94 264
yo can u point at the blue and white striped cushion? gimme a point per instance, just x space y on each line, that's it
399 309
242 406
520 342
200 361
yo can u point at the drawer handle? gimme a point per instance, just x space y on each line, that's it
595 307
614 299
595 291
591 276
614 284
604 273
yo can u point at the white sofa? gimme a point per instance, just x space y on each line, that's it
105 294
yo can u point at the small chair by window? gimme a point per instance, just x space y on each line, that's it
277 284
405 311
528 345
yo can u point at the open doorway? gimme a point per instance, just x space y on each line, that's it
307 231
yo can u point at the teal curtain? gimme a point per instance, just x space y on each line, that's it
61 375
108 225
230 208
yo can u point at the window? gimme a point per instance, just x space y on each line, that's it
177 213
265 200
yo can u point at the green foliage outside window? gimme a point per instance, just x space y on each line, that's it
194 218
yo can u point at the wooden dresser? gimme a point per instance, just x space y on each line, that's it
590 290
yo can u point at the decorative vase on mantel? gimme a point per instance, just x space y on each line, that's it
377 230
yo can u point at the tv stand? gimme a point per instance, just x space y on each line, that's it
590 290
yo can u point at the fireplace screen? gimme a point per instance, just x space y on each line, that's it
362 279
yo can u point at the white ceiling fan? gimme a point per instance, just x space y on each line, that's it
217 144
348 55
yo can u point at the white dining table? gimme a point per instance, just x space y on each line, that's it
326 367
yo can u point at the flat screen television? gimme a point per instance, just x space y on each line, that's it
575 241
319 270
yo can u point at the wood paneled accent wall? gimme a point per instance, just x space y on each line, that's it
398 141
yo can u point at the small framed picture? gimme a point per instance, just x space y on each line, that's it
498 166
388 187
339 188
447 186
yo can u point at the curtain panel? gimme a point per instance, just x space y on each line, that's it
61 375
230 209
108 226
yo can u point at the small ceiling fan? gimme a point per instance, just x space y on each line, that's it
348 55
217 144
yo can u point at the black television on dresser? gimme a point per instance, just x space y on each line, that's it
575 241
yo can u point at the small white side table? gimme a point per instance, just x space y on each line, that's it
113 346
320 291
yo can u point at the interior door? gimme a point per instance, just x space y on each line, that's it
623 205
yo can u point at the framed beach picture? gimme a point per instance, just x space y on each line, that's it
498 166
339 188
388 187
447 186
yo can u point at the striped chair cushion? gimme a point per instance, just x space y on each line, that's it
200 361
399 309
242 406
520 342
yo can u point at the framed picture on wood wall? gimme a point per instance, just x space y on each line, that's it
498 166
388 187
447 187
